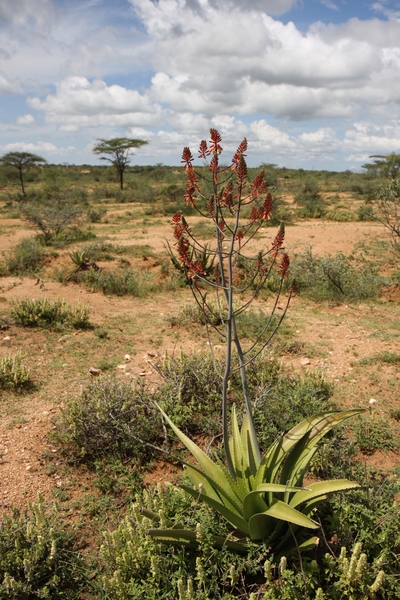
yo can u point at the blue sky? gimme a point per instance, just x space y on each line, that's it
312 84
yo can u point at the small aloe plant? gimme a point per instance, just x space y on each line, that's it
262 497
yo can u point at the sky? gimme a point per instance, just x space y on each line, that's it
311 84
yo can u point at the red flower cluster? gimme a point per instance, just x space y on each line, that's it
194 268
258 186
279 239
284 267
240 152
215 146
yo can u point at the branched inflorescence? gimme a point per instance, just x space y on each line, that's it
237 209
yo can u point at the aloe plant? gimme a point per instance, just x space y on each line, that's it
262 497
265 500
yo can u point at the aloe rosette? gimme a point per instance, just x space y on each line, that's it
265 500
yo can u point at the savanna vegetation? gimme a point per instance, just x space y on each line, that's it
291 486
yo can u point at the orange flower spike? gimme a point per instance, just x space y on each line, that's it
187 157
203 150
284 267
253 215
242 171
258 186
214 167
215 146
278 241
239 237
239 152
176 217
266 209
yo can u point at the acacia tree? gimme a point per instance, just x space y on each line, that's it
21 161
120 151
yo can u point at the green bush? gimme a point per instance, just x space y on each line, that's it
37 559
334 277
374 433
95 215
110 417
370 515
191 392
27 257
13 373
366 212
135 565
49 313
310 201
283 400
51 218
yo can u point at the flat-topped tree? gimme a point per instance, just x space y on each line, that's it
21 161
120 151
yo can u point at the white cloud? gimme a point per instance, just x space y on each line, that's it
38 148
214 61
25 120
9 86
69 128
79 102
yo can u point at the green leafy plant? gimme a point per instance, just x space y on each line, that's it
110 417
388 212
310 200
334 278
263 498
49 313
375 433
27 257
37 559
351 577
52 218
13 373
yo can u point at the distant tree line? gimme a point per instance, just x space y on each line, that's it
118 152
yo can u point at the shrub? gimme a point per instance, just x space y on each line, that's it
27 257
37 559
374 434
365 212
334 277
95 215
13 373
191 392
110 417
389 210
50 217
369 515
49 313
137 566
310 200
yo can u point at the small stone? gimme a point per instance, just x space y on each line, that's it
94 372
45 412
372 401
7 338
28 468
127 357
304 362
